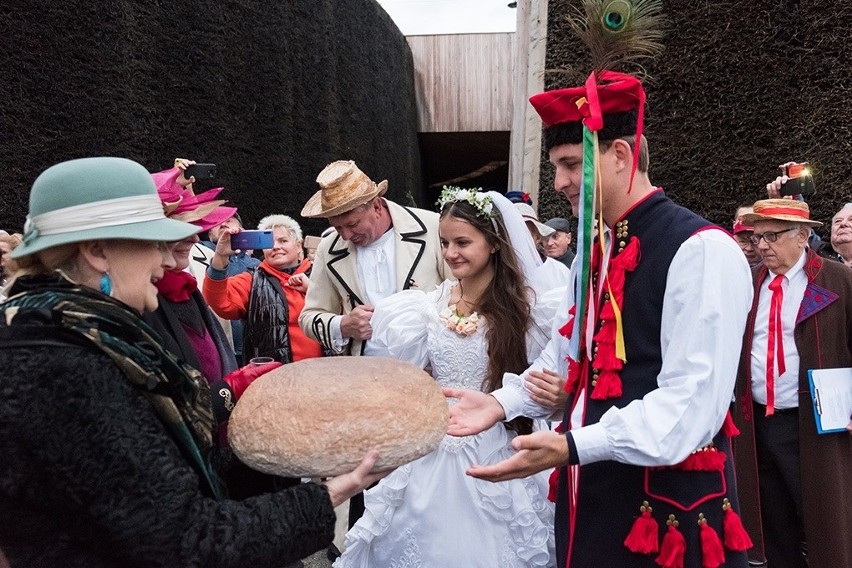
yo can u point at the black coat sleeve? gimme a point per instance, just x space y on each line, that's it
86 459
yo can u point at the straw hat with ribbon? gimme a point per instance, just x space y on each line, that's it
781 210
343 187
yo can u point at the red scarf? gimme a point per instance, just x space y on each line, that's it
177 285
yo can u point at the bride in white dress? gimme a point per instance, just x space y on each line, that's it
493 318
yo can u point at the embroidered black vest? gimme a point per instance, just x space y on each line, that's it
661 227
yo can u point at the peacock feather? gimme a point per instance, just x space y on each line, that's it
619 32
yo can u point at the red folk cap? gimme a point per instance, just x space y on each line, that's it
616 92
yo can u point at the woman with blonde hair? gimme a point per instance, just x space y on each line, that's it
269 299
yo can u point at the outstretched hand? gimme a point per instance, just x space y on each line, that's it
537 452
475 412
346 485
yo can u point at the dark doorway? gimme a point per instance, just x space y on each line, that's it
465 159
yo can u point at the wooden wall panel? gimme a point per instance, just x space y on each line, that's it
463 81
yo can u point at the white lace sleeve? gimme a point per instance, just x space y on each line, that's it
400 325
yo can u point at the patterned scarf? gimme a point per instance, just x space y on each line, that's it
177 392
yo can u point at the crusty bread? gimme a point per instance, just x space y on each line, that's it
319 417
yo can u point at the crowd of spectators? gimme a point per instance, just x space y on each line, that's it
206 309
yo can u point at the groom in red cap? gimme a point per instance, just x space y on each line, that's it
648 341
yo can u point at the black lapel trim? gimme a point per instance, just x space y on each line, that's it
340 254
410 237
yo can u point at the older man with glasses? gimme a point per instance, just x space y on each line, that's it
801 320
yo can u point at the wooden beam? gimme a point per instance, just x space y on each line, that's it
530 52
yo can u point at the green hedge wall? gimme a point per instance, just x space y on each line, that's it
740 88
269 90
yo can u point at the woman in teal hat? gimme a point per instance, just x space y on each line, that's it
107 438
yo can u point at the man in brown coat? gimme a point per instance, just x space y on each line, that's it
798 482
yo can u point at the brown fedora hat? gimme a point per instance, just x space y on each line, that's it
343 187
781 210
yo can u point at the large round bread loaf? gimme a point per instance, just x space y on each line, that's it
319 417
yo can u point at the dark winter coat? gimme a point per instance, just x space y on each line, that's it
90 476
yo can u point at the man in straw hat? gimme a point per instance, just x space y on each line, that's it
647 341
379 248
798 482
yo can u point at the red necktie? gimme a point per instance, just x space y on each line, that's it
775 346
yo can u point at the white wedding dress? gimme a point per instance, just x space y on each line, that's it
429 513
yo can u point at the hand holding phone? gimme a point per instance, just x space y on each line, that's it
200 171
252 240
799 182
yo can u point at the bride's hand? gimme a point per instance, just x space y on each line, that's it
475 412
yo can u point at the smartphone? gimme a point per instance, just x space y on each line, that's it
200 171
801 181
252 240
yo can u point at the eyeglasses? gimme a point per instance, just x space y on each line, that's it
768 236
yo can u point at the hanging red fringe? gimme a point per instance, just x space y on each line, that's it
606 361
712 553
736 537
608 386
552 483
645 533
673 548
729 429
566 330
707 459
574 373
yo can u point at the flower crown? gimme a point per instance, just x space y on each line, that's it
480 201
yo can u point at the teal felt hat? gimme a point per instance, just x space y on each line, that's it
96 198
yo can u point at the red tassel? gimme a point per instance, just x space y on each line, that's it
605 358
644 534
673 548
567 329
552 483
608 386
736 537
574 371
712 553
729 429
707 459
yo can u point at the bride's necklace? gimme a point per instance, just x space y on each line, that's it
454 320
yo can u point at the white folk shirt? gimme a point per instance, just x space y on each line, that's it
708 297
376 264
787 385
